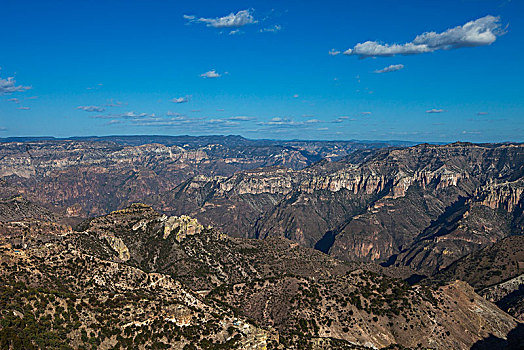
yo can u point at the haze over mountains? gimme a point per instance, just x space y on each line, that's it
309 245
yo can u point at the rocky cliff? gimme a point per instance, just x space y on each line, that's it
394 205
82 177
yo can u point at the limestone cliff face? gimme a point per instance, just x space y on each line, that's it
506 196
118 246
182 227
364 181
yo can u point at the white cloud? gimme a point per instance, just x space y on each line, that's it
392 68
434 110
482 113
278 121
272 29
183 99
340 119
91 108
133 115
236 31
210 74
242 118
480 32
175 120
365 113
127 115
233 20
333 52
296 96
8 86
24 108
14 100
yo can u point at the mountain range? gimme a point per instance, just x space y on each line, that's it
223 242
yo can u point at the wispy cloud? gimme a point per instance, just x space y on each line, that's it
340 119
170 119
113 103
480 32
134 115
24 108
233 20
223 122
242 118
211 74
91 108
333 52
273 29
126 115
98 86
482 113
14 100
183 99
8 86
287 122
434 110
392 68
365 113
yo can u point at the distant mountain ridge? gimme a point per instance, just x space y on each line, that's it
196 141
84 177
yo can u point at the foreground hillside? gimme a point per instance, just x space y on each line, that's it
139 279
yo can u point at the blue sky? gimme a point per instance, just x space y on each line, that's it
263 69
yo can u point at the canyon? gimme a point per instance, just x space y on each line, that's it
305 244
